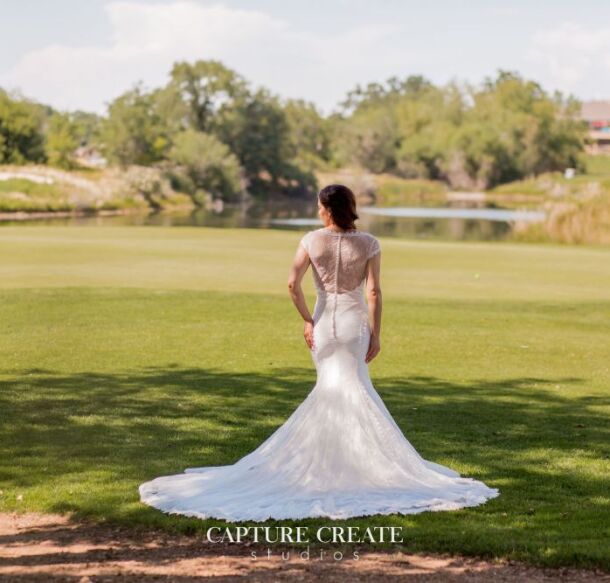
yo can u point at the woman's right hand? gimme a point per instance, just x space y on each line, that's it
308 334
374 348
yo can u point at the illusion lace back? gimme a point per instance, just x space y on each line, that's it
340 454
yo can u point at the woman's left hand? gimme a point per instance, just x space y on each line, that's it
374 348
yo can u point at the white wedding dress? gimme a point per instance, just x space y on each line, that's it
340 454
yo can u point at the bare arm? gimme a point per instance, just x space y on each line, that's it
373 296
297 271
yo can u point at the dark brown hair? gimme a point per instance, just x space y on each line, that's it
340 201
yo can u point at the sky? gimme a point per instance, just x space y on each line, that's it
81 54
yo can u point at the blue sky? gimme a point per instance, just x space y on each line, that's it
81 54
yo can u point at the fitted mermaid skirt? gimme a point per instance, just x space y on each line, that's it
339 455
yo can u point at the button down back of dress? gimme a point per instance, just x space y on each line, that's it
337 259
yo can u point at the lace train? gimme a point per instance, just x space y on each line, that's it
339 455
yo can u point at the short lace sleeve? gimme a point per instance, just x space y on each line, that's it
304 242
374 248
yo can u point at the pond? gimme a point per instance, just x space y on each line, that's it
474 222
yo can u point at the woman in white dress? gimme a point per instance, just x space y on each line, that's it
340 454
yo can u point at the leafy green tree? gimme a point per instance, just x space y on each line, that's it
134 132
376 121
476 137
61 140
170 106
515 130
370 139
257 131
207 162
375 94
427 120
275 150
21 130
198 91
87 127
308 135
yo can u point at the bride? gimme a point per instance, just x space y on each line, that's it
340 454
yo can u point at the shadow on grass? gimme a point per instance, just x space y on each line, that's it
112 431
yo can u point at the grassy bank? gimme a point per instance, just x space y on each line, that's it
585 221
578 208
134 352
33 189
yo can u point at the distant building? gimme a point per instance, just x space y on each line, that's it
597 115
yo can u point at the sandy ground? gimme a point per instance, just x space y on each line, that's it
51 548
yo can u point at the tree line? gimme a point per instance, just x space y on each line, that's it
209 131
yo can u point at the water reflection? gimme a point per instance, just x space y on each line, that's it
488 214
441 222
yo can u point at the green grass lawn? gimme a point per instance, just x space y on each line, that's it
132 352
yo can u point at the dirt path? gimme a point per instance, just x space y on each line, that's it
51 548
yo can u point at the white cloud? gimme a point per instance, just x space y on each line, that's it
576 58
148 38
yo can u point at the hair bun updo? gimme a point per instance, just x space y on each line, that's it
341 203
